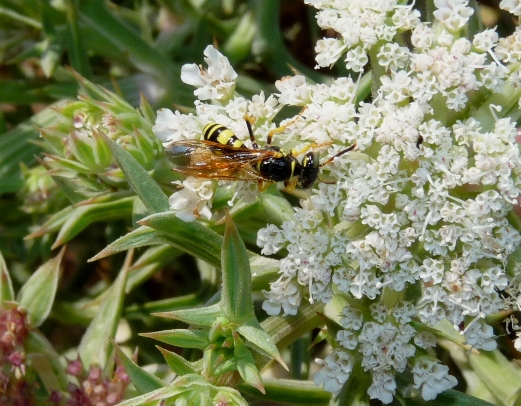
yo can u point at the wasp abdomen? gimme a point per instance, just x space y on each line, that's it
219 133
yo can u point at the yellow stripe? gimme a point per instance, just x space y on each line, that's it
219 133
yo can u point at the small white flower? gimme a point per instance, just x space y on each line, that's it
171 127
215 83
480 336
283 294
485 40
432 378
383 387
453 14
514 6
356 58
336 369
294 90
194 200
328 51
517 341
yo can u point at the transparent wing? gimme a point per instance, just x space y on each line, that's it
207 159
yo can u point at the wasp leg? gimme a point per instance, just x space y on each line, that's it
350 148
327 182
249 122
313 145
282 128
263 185
291 184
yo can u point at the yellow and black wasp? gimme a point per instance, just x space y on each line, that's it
221 155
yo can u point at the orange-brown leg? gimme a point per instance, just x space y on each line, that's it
282 128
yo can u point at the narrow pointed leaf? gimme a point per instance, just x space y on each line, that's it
181 338
6 285
192 238
177 363
261 341
143 381
143 184
83 216
46 362
37 294
246 364
53 224
236 297
94 345
140 237
204 316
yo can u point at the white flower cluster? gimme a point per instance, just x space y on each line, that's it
361 25
422 202
388 344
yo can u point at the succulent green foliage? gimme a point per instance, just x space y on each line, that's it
178 364
227 331
6 285
189 390
143 381
236 302
38 293
95 343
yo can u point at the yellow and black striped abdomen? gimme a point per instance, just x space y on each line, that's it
219 133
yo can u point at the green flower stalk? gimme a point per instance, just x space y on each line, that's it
412 229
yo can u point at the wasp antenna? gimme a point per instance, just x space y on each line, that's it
344 151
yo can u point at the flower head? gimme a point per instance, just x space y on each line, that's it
422 202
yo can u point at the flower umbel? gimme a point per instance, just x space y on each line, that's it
423 203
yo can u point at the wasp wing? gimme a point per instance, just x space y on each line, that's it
207 159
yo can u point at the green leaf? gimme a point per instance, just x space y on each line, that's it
236 298
192 238
270 44
97 17
6 285
53 224
204 316
143 381
94 345
46 362
75 41
140 237
500 376
83 216
37 294
143 184
177 363
246 364
146 109
293 392
156 397
261 341
189 390
285 330
181 338
16 145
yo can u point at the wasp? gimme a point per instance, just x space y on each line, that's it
221 155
